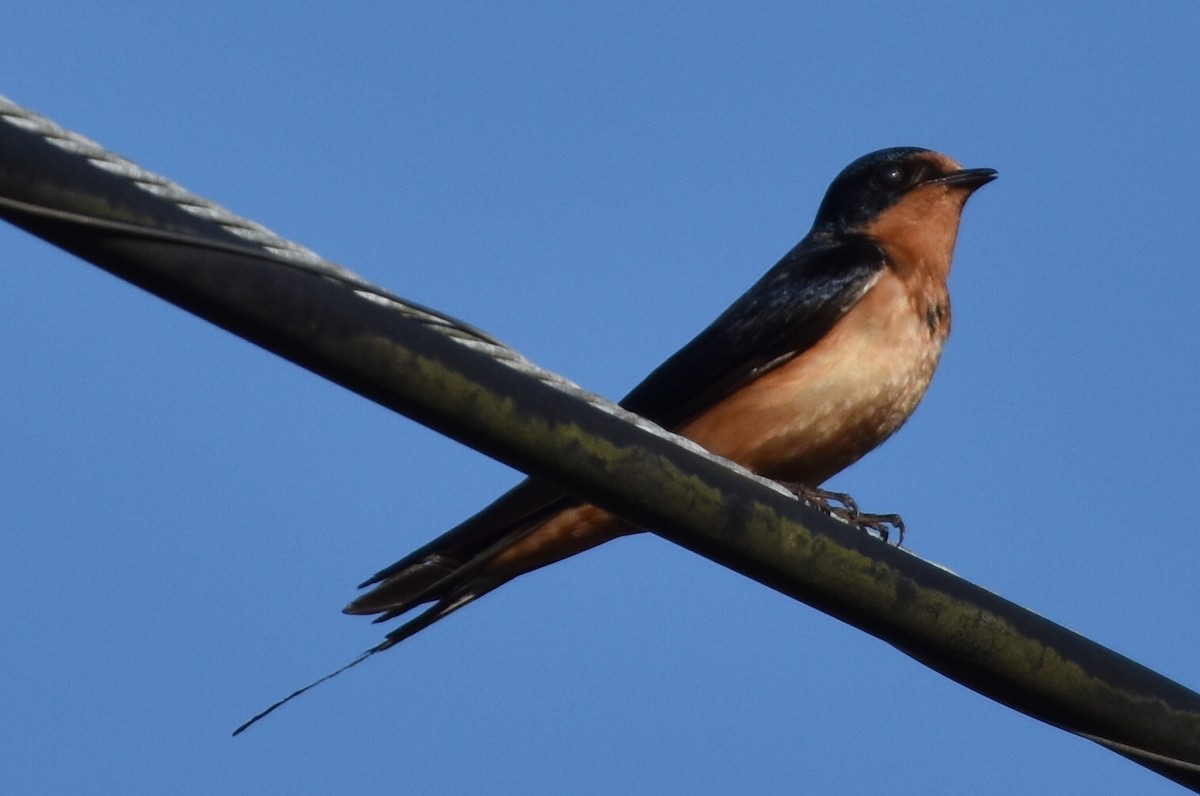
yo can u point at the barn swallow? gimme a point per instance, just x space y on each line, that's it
822 360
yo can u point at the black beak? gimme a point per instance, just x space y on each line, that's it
970 179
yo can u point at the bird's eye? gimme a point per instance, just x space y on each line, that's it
891 176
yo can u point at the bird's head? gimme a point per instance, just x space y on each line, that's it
881 180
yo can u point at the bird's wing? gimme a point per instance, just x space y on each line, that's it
785 313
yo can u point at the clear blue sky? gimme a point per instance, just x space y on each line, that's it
182 515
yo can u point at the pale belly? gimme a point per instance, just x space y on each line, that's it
817 414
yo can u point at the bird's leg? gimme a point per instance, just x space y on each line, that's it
843 507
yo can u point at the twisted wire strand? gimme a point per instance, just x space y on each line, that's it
266 242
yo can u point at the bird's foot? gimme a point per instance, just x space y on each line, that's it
880 523
837 504
844 508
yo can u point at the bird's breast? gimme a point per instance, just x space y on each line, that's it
823 410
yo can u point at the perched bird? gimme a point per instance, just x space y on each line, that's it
819 362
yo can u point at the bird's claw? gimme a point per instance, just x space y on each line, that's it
880 523
844 508
839 504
